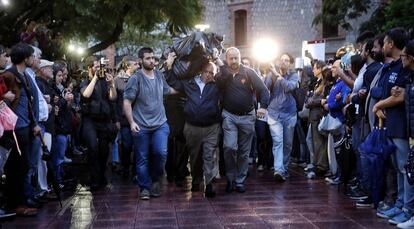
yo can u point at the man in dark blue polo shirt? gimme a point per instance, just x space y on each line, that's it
239 83
392 110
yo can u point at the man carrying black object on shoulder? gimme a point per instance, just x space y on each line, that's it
97 125
238 84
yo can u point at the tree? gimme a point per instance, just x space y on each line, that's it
339 12
101 20
131 40
389 14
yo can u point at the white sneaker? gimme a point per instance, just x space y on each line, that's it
309 167
407 224
311 175
260 168
67 160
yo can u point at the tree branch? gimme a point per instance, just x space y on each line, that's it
119 28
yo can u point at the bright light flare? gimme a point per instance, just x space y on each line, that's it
71 47
265 50
80 50
5 2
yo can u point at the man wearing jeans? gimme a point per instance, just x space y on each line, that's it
282 114
148 122
392 110
239 83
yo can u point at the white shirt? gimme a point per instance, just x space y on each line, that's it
43 108
360 79
200 83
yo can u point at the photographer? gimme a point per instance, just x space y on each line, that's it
98 128
62 100
282 113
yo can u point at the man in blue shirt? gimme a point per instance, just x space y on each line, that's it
282 113
19 189
392 110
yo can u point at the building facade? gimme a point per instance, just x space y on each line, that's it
287 22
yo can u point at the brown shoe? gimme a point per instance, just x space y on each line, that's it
25 211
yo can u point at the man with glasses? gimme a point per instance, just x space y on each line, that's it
202 124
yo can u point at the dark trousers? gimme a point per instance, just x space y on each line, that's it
264 145
177 158
126 147
18 185
97 135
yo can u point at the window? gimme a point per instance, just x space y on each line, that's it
329 30
240 27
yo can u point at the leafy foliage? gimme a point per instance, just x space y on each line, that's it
101 20
339 12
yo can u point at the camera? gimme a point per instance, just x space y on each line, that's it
103 64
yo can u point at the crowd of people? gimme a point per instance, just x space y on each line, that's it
227 117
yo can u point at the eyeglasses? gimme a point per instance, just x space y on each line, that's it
405 55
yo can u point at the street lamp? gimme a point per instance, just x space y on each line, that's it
76 49
71 47
80 51
5 2
202 27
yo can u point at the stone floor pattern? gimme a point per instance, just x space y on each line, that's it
297 203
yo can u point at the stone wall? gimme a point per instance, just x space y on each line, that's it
289 22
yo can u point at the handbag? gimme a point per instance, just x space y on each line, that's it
329 124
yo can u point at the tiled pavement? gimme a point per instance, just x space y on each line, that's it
297 203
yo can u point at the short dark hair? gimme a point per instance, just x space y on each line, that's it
369 46
144 50
409 48
20 52
365 36
398 36
380 39
356 63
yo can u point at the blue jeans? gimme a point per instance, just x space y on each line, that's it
150 171
59 145
405 198
282 135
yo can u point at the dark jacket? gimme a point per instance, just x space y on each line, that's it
316 110
63 119
200 109
120 83
20 104
47 89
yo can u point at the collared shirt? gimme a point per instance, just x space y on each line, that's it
43 108
393 74
360 79
282 104
200 83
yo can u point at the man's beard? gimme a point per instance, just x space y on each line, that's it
235 66
379 56
148 67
